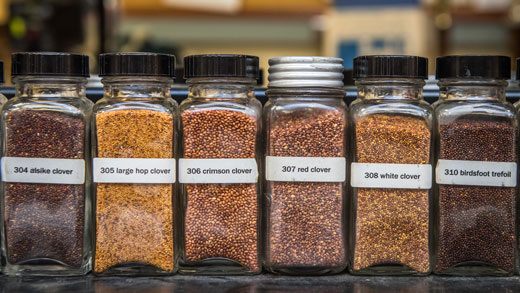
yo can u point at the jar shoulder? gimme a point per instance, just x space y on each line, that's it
291 106
414 108
166 105
453 109
250 106
73 106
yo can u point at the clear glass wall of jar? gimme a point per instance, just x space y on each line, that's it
134 165
220 125
391 172
476 167
305 132
45 174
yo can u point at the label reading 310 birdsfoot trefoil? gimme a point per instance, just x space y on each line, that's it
43 170
477 173
407 176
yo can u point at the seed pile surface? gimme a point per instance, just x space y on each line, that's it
305 219
134 222
221 220
44 220
476 223
392 224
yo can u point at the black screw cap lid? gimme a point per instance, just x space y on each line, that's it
517 68
49 64
348 77
136 64
397 66
221 66
474 66
2 75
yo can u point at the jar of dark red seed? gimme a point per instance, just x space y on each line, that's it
45 198
220 124
304 204
476 167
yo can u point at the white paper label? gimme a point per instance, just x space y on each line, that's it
407 176
43 170
218 171
478 173
126 170
305 169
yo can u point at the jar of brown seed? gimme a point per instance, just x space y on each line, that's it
134 165
218 166
476 169
304 204
45 190
391 171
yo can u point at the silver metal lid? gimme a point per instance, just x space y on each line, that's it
305 71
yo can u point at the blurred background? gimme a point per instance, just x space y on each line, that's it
266 28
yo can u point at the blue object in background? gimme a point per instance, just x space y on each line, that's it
348 50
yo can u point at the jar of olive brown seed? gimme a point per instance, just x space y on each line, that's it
305 171
391 172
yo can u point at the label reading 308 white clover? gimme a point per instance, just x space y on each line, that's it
129 170
218 171
43 170
408 176
305 169
478 173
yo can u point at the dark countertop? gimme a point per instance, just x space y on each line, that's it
262 283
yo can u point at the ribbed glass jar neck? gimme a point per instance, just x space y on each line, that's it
50 86
456 89
305 93
391 89
221 88
137 87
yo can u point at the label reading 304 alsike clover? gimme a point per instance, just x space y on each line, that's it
43 170
476 173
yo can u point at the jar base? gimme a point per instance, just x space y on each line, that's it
388 270
215 267
305 270
133 269
474 271
51 270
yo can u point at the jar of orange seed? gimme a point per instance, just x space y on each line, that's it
134 165
305 202
218 166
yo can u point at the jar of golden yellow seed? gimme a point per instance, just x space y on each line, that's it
305 202
391 171
218 166
134 165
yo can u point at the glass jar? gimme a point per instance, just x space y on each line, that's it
45 180
220 124
391 171
516 84
3 99
305 202
476 167
134 165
